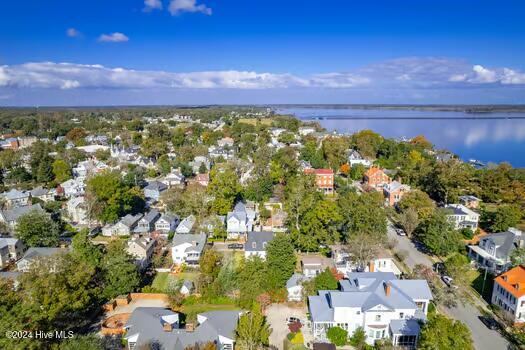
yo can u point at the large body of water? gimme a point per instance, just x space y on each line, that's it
491 137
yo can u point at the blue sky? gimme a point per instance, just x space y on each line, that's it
209 51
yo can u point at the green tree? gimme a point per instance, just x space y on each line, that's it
281 260
253 332
457 267
252 279
44 171
37 229
418 201
409 220
440 332
438 235
362 214
319 225
110 198
367 142
58 292
358 339
82 342
224 187
164 164
337 336
517 257
120 273
504 217
61 170
85 250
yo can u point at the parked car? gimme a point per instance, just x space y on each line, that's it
235 246
447 279
400 232
490 322
438 267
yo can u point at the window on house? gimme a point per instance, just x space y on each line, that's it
378 317
401 315
254 245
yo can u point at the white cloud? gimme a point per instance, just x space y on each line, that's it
483 75
113 38
179 6
512 77
150 5
4 79
408 75
73 33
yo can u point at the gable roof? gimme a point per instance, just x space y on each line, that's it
196 241
147 323
513 281
156 186
367 290
14 214
259 238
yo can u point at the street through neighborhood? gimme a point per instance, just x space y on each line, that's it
484 338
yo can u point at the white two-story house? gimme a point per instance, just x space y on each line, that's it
461 216
239 221
379 303
493 251
187 248
509 294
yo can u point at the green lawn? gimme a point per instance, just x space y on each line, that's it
192 310
476 282
163 279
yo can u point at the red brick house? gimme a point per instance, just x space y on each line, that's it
376 178
324 179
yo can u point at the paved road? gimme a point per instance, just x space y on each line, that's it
484 338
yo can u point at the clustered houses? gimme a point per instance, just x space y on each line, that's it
376 179
240 221
379 303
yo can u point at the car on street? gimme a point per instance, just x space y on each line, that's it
235 246
438 267
447 280
490 322
400 232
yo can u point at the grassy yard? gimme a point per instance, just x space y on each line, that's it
194 305
253 121
163 279
476 281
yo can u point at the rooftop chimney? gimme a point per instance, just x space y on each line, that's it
387 288
371 267
190 327
167 327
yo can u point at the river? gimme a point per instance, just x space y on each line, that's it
487 137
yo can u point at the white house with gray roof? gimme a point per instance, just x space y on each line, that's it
124 227
167 223
160 328
239 221
294 287
10 217
186 225
11 249
377 302
36 253
15 198
461 216
493 251
256 244
187 248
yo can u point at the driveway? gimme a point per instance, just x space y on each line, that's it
484 338
276 315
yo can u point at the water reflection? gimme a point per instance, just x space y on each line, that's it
489 140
